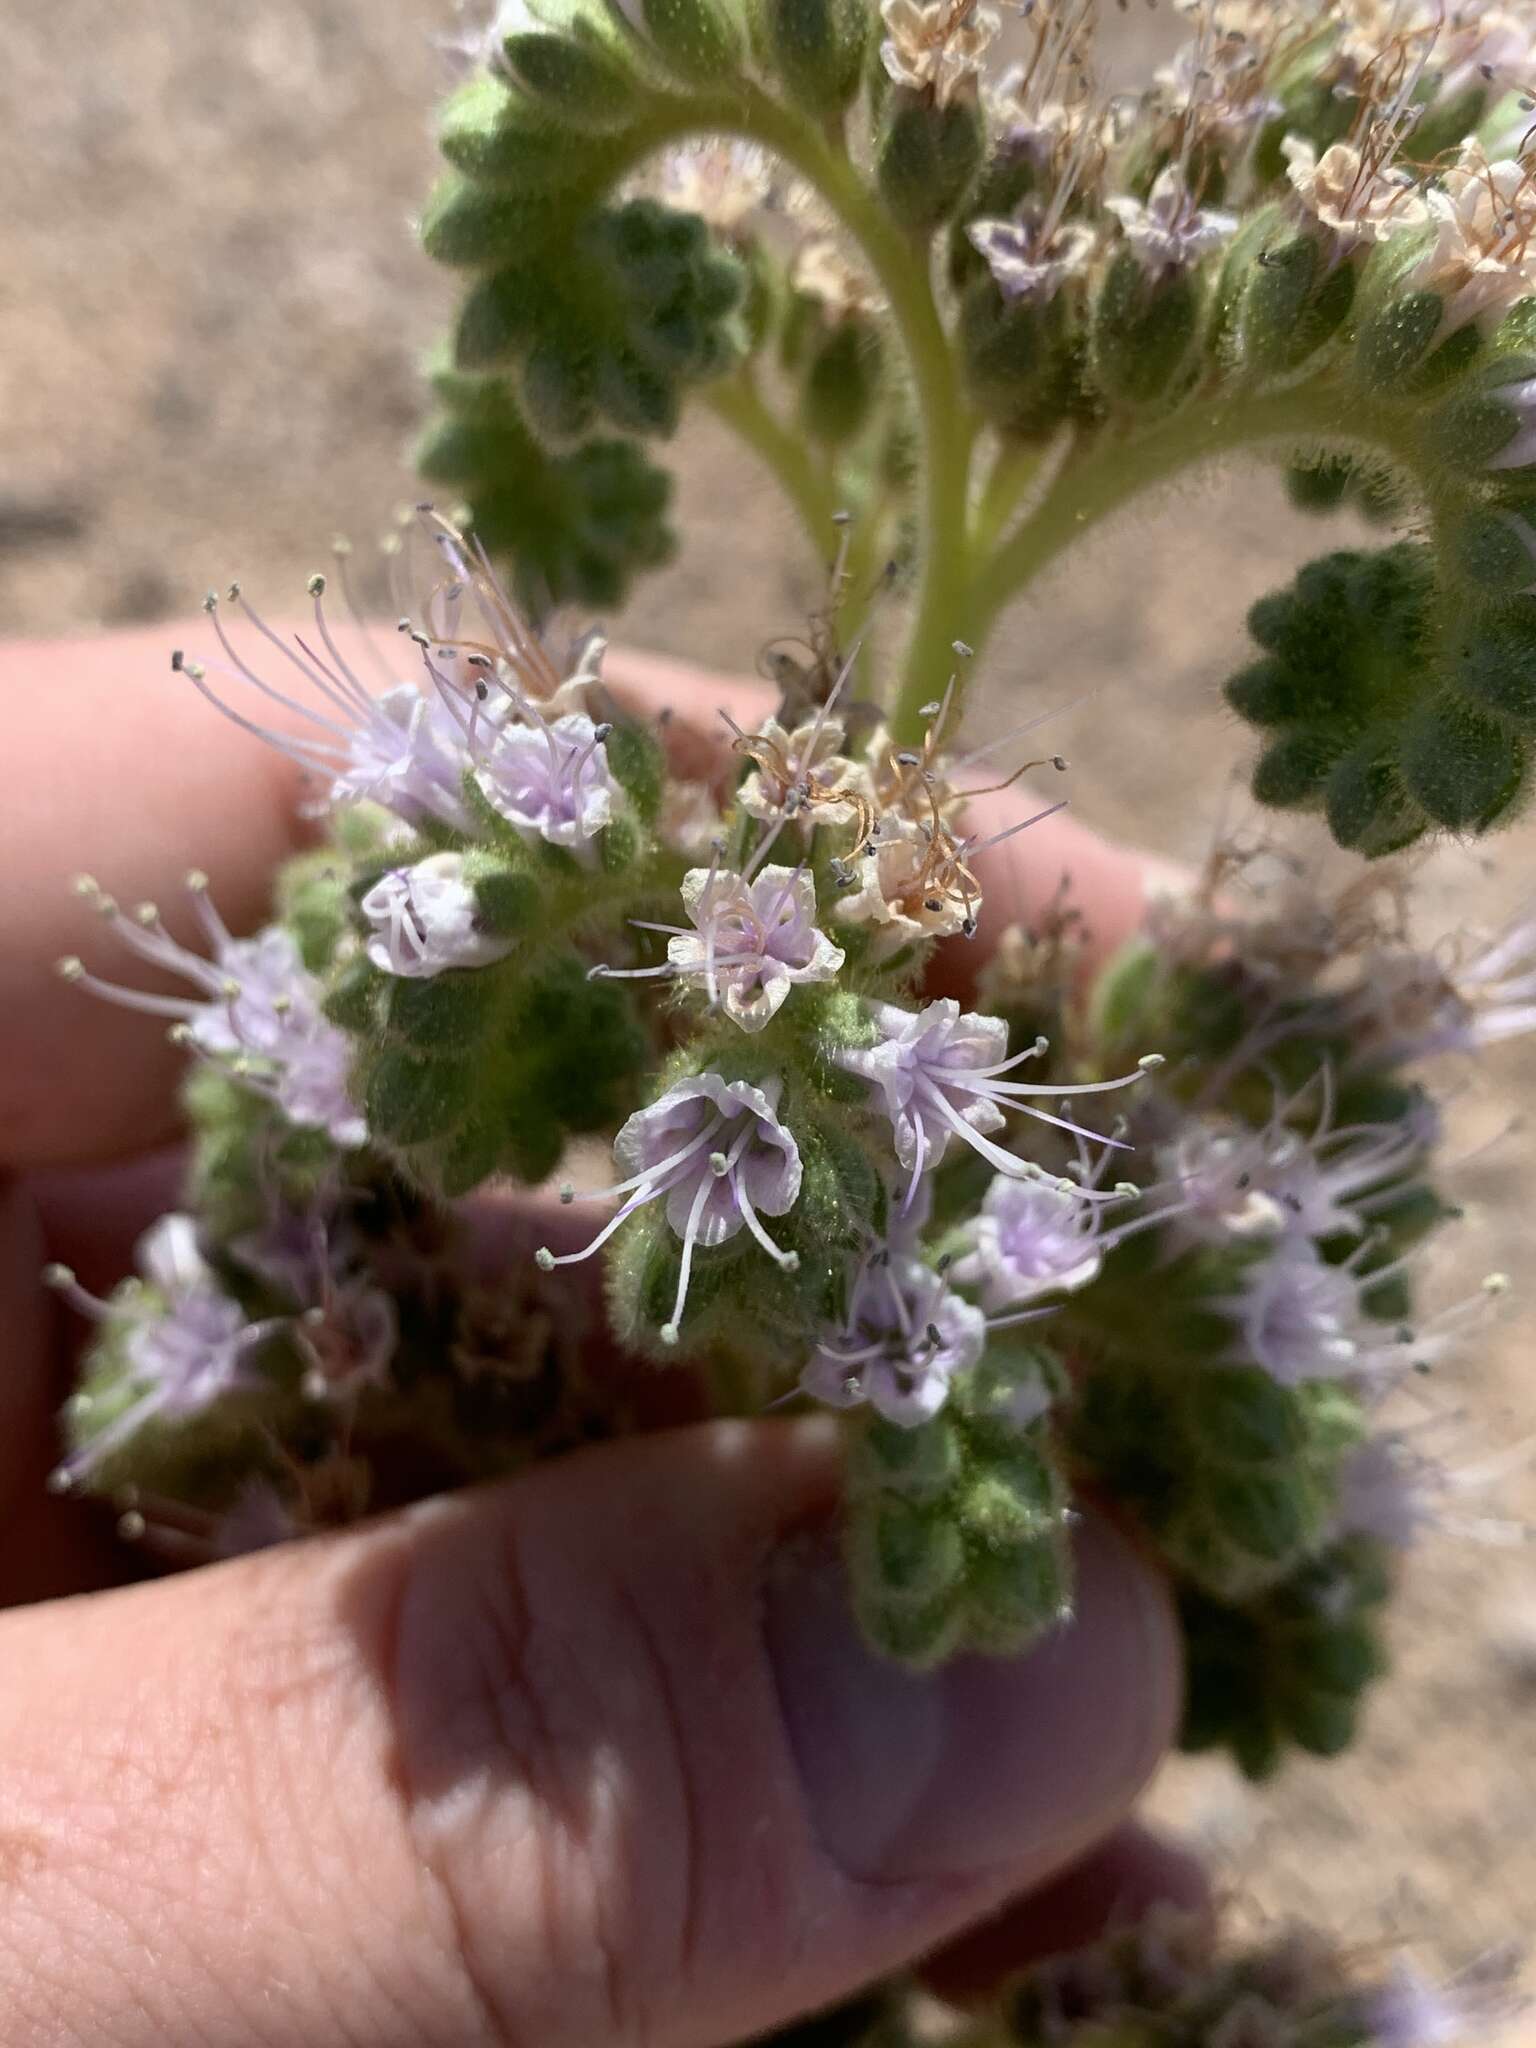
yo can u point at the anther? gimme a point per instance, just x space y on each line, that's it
316 585
544 1259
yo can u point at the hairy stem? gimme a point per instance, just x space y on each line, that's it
738 402
1114 468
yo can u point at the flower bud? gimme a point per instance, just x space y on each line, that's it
818 48
576 79
842 381
1495 663
1495 552
1288 1667
926 157
1143 329
699 40
1395 339
1367 807
1292 298
497 136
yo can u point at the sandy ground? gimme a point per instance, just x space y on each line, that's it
211 311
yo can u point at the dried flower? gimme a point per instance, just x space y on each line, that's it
1481 258
1359 199
936 46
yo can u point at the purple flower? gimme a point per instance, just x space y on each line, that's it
715 1152
937 1072
258 1010
1408 2011
1032 1238
550 778
754 939
185 1344
1170 232
425 920
1298 1315
1301 1318
345 1326
1225 1181
1030 261
906 1334
407 749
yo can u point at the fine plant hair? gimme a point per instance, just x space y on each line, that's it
1152 1228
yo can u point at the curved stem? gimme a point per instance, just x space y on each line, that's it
738 402
1115 468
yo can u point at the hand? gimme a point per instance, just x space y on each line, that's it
585 1759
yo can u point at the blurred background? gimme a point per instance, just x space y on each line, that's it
211 315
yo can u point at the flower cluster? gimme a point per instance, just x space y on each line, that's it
1034 1225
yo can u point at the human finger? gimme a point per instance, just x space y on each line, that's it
594 1755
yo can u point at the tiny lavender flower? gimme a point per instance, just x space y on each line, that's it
186 1344
550 779
1031 1239
906 1334
1031 257
937 1073
259 1010
716 1151
424 920
1301 1319
1170 232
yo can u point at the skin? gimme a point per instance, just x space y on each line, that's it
523 1766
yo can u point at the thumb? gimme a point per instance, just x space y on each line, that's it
593 1756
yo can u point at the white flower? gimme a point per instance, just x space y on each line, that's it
1481 259
903 892
1359 199
936 46
821 271
753 941
793 771
425 921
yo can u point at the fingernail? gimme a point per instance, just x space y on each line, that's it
1020 1761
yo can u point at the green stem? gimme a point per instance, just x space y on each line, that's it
903 272
1014 467
737 401
1116 468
